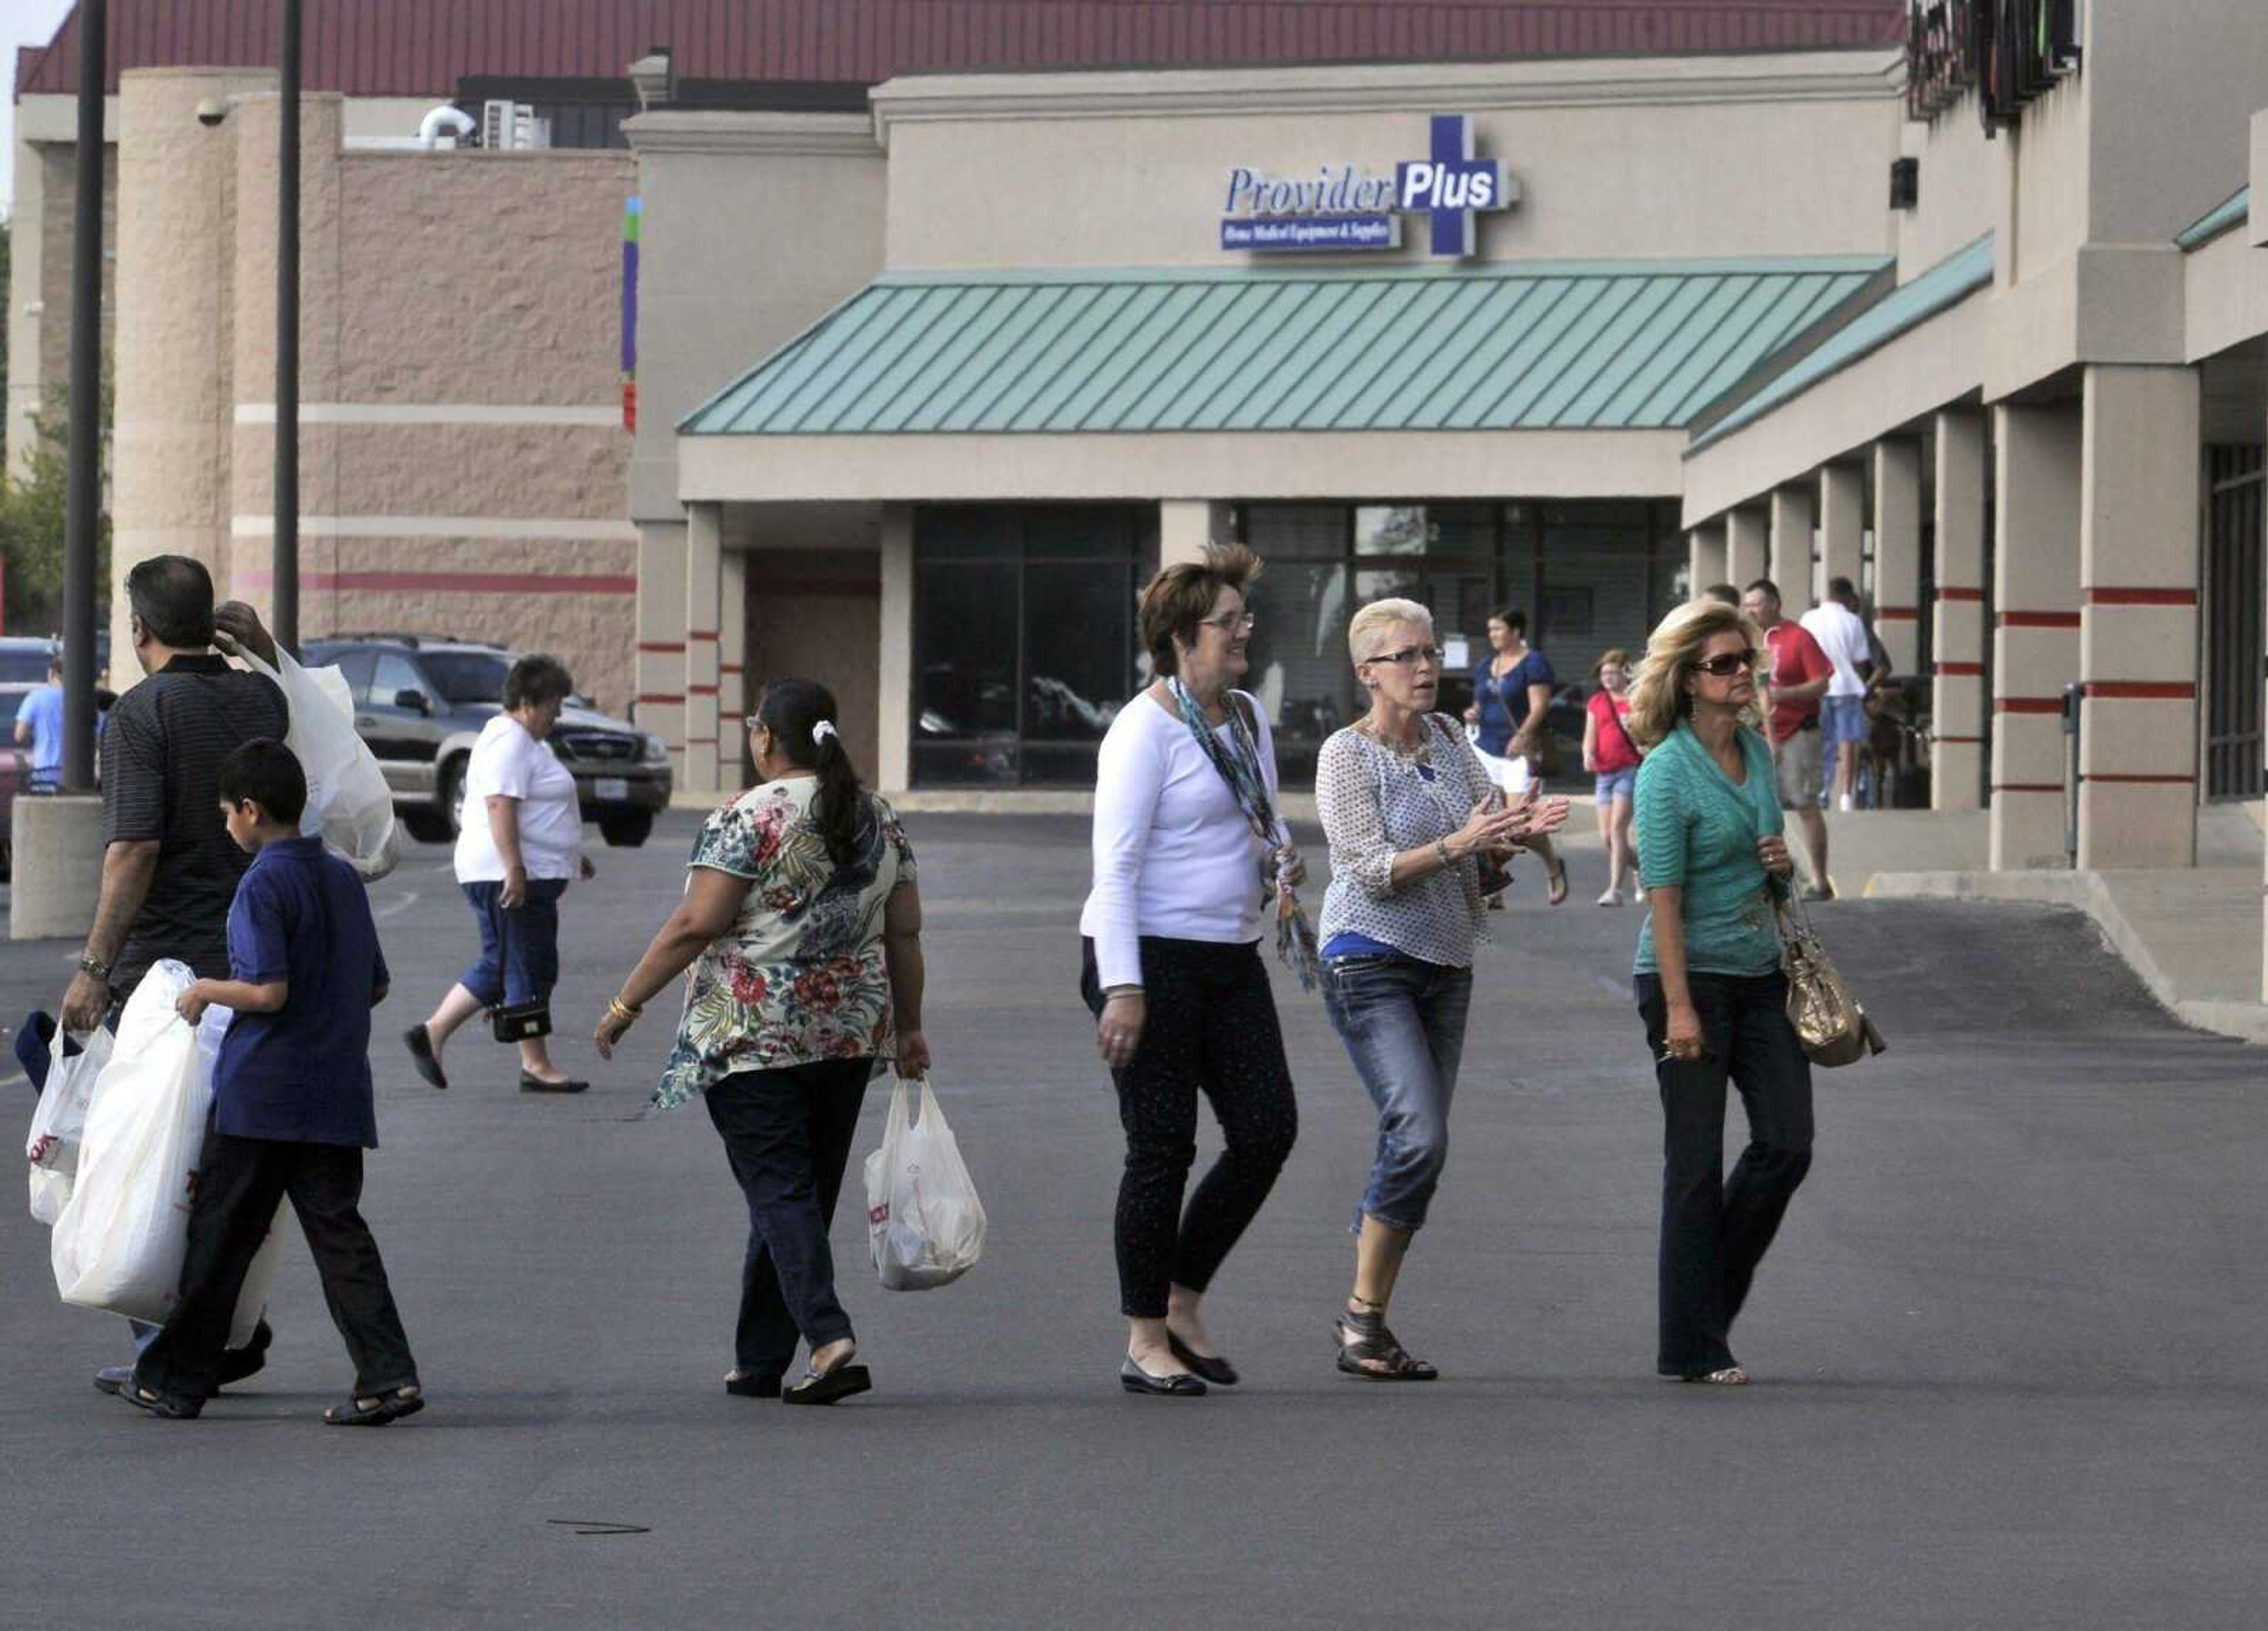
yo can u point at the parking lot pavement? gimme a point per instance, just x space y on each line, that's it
2007 1348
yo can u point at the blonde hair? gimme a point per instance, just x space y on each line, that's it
1657 692
1378 614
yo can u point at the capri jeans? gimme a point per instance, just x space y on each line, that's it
1714 1229
1210 1029
520 947
1403 1024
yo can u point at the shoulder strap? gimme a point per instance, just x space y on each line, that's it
1615 714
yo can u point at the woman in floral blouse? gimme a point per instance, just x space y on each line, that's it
801 924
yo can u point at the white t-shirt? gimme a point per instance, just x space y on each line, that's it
1843 637
509 761
1174 856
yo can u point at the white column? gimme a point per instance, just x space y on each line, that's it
661 635
704 548
1957 692
1842 523
2036 459
1186 526
894 763
1748 533
1704 558
733 670
1792 509
2139 638
1897 551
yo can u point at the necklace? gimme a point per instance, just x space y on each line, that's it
1421 750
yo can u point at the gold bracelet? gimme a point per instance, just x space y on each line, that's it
623 1011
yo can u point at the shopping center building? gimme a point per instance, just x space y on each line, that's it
934 363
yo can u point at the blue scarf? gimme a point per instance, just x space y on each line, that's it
1239 765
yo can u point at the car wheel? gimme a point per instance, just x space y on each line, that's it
426 826
627 830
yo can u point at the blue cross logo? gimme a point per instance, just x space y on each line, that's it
1450 184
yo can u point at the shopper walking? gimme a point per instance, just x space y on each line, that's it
39 727
1798 673
1171 967
801 924
1511 699
1708 978
518 845
1842 636
1612 760
169 868
1415 824
291 1110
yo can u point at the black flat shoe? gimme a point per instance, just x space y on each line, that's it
376 1410
162 1406
840 1383
420 1044
1135 1379
753 1384
537 1084
1213 1369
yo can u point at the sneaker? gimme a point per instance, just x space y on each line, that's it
1613 897
1845 804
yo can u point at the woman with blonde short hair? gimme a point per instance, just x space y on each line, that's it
1413 817
1714 866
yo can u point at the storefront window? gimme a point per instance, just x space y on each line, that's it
1025 640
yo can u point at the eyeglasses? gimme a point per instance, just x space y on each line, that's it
1407 654
1236 623
1727 664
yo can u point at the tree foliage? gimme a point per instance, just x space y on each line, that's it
35 509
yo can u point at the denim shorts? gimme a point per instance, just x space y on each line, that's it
519 948
1613 784
1843 718
1403 1024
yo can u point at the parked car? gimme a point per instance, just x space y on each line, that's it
420 703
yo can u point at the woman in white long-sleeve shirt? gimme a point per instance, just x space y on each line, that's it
1172 963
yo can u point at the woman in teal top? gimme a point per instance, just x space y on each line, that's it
1709 985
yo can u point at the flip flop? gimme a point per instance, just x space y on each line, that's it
1557 895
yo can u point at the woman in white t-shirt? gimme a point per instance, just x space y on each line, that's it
1172 969
520 843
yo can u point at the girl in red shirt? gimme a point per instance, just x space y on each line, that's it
1610 756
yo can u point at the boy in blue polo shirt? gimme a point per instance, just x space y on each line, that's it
292 1105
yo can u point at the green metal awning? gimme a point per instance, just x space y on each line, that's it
1603 345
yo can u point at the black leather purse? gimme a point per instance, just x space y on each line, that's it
516 1022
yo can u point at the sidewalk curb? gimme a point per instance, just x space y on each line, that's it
2244 1022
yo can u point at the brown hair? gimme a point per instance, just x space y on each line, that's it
1615 655
1182 595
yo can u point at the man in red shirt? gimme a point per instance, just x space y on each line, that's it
1800 674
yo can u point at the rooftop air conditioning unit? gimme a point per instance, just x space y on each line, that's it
512 125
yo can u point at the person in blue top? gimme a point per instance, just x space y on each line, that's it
291 1110
1714 866
39 727
1512 696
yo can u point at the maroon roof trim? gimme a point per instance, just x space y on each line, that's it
422 48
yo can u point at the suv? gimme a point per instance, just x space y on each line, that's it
420 703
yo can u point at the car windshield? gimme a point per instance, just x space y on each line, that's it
468 676
18 668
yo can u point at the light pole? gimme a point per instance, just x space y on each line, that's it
82 515
285 575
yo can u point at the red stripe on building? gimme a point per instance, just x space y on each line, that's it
709 635
661 648
449 583
2100 596
672 699
2028 704
2144 780
730 668
700 741
1896 614
1962 670
701 690
2141 691
1973 741
1950 592
2039 620
2028 787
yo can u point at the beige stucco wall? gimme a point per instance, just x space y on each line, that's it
754 225
1961 183
2174 83
1720 155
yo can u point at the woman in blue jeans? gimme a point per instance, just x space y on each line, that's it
1714 865
1411 815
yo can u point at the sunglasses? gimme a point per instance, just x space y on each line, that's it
1727 664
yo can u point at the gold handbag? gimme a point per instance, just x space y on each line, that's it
1829 1020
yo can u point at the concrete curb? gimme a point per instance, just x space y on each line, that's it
2245 1022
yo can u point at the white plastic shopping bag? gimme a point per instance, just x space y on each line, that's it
120 1240
350 806
923 1217
60 1121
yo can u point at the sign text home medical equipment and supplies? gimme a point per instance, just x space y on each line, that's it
1345 207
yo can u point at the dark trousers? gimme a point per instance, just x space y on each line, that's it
240 1181
787 1133
1714 1229
1210 1029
